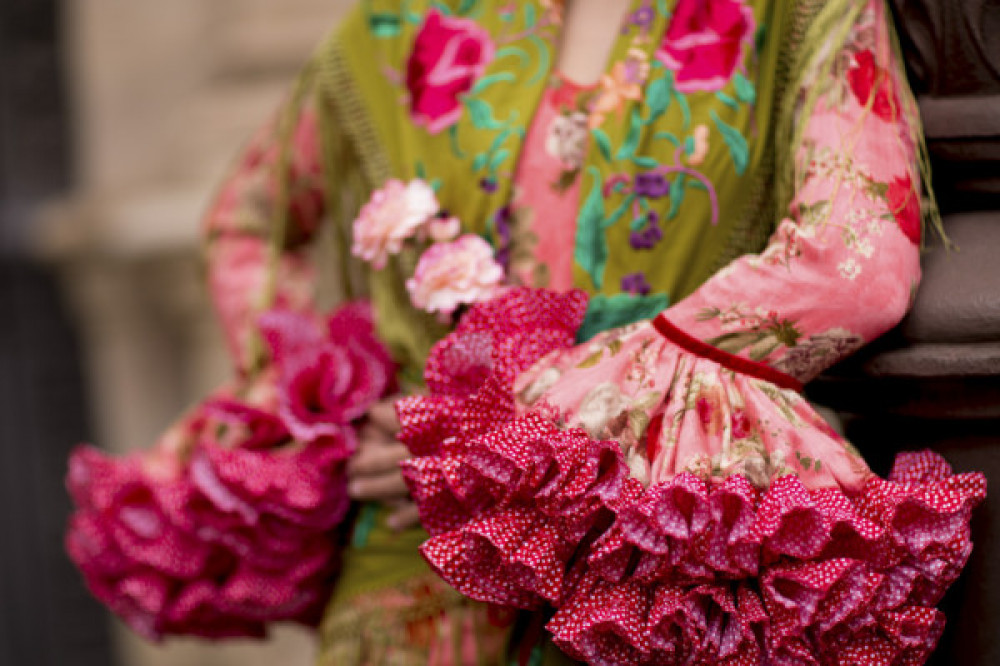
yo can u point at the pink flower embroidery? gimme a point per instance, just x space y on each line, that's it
448 55
393 214
704 44
904 202
452 274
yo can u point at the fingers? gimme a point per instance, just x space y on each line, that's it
379 488
404 516
383 415
375 458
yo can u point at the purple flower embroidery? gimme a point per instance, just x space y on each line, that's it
635 283
647 238
651 185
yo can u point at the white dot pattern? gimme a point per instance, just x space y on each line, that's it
525 514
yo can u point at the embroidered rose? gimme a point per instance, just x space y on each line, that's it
393 214
567 139
866 79
601 404
704 44
904 202
448 55
452 274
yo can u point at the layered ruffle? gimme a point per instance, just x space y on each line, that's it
720 521
230 521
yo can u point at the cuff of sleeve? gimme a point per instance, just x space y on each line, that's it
736 363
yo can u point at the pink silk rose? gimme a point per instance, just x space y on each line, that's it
393 214
448 55
451 274
704 43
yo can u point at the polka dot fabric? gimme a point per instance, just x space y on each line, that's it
686 570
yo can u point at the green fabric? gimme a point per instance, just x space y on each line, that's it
654 131
383 558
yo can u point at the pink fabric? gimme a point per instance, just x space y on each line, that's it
843 266
545 157
237 230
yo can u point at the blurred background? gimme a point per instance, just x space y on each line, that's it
117 119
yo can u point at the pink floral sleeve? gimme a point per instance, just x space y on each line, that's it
238 230
842 268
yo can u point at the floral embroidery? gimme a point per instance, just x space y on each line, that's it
622 84
567 139
818 352
757 334
460 272
705 43
449 54
871 84
904 203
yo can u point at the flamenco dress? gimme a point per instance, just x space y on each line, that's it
667 501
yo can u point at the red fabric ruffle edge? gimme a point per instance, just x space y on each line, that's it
524 514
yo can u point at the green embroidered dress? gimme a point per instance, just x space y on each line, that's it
684 157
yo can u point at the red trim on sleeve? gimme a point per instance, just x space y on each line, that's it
668 330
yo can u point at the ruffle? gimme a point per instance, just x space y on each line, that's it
231 521
745 566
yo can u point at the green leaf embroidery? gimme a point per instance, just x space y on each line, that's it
544 57
515 51
530 18
591 360
745 90
498 158
735 141
481 114
487 81
385 26
442 7
479 162
603 142
645 162
658 95
453 139
615 216
590 250
727 100
605 312
632 138
638 421
676 195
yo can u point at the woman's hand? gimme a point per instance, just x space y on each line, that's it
374 470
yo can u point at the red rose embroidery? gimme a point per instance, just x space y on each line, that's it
866 78
448 55
904 202
704 43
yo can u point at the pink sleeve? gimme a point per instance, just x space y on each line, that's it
238 233
842 268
